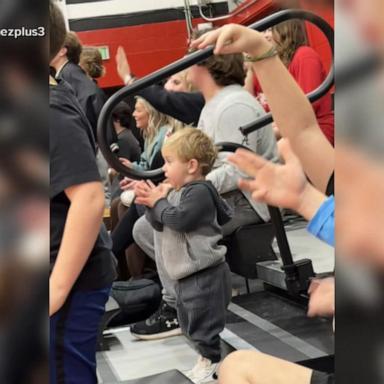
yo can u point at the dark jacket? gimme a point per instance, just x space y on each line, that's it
90 96
183 106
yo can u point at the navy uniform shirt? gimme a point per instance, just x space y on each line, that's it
73 162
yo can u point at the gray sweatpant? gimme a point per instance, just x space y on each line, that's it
202 301
144 237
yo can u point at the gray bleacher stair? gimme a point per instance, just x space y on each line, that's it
170 377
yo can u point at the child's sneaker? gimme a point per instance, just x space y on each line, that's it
163 323
203 372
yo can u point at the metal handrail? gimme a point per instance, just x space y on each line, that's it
194 58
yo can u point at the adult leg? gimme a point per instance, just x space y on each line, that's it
114 213
73 338
243 212
136 260
143 235
251 367
122 235
121 210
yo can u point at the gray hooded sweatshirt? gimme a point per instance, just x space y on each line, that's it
188 228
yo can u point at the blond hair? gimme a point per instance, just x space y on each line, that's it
184 78
192 143
156 120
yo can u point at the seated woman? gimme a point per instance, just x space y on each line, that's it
305 66
155 127
166 99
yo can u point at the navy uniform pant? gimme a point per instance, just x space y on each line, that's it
73 337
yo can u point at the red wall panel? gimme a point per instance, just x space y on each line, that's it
316 38
152 46
149 47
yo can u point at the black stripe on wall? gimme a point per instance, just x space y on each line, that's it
140 18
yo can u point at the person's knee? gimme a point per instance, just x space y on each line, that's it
242 365
138 233
233 360
135 233
142 233
236 365
251 367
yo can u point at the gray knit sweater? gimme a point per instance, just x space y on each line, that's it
188 226
221 117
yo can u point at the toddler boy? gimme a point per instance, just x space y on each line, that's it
187 214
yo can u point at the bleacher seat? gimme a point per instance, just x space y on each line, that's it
249 245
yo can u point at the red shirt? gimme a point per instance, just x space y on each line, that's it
307 69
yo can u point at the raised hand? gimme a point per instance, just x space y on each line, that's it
122 65
280 185
274 184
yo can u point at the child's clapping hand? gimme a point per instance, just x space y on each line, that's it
148 194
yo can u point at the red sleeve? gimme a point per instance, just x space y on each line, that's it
259 94
256 86
307 69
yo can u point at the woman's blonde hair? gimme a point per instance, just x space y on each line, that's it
289 36
184 78
156 120
92 62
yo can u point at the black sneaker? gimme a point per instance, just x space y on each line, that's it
163 323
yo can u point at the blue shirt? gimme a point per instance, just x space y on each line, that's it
322 224
151 150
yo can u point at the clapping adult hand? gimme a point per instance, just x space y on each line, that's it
281 185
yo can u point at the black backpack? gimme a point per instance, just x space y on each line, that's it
138 299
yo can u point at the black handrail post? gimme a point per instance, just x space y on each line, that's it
281 236
297 274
